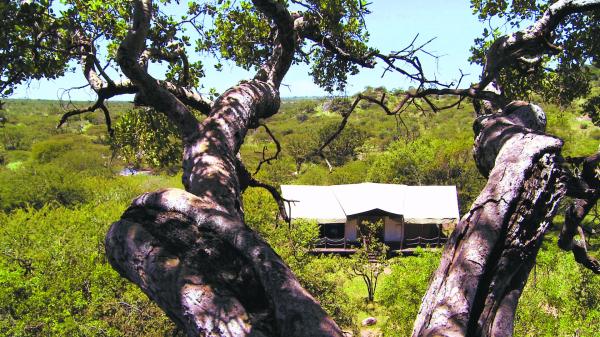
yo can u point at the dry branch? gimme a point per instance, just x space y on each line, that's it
266 159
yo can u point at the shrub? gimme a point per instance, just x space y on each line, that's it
16 155
55 280
38 185
15 137
146 137
343 147
75 152
402 291
561 297
47 151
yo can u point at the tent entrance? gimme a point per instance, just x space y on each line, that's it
332 230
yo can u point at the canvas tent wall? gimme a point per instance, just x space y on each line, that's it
408 211
334 204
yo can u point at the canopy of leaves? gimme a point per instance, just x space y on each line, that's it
41 37
30 44
145 138
562 76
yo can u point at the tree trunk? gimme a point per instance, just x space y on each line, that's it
191 251
488 257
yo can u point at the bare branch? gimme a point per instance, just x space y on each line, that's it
523 48
273 157
107 120
379 102
309 29
99 104
75 112
247 180
339 130
276 196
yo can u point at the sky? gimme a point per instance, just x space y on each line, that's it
392 25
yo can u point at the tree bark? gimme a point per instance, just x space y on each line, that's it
488 257
190 251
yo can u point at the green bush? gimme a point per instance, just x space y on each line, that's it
55 281
48 150
147 137
561 297
344 147
38 185
75 152
402 291
16 155
15 137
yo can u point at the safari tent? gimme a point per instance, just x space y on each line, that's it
412 215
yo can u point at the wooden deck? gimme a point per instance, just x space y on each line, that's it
406 247
339 251
350 251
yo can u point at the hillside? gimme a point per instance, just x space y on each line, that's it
60 190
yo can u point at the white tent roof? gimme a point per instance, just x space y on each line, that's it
333 204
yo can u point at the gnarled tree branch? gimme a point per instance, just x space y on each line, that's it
488 257
191 252
160 98
280 61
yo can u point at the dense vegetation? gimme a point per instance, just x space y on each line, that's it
60 189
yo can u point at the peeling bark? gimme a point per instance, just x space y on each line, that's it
488 257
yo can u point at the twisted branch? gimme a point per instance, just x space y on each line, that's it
264 159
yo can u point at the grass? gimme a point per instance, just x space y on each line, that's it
356 289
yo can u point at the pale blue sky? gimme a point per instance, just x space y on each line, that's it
392 25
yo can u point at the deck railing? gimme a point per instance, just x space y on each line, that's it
326 242
420 241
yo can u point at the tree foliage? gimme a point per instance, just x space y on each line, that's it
560 77
344 147
143 137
